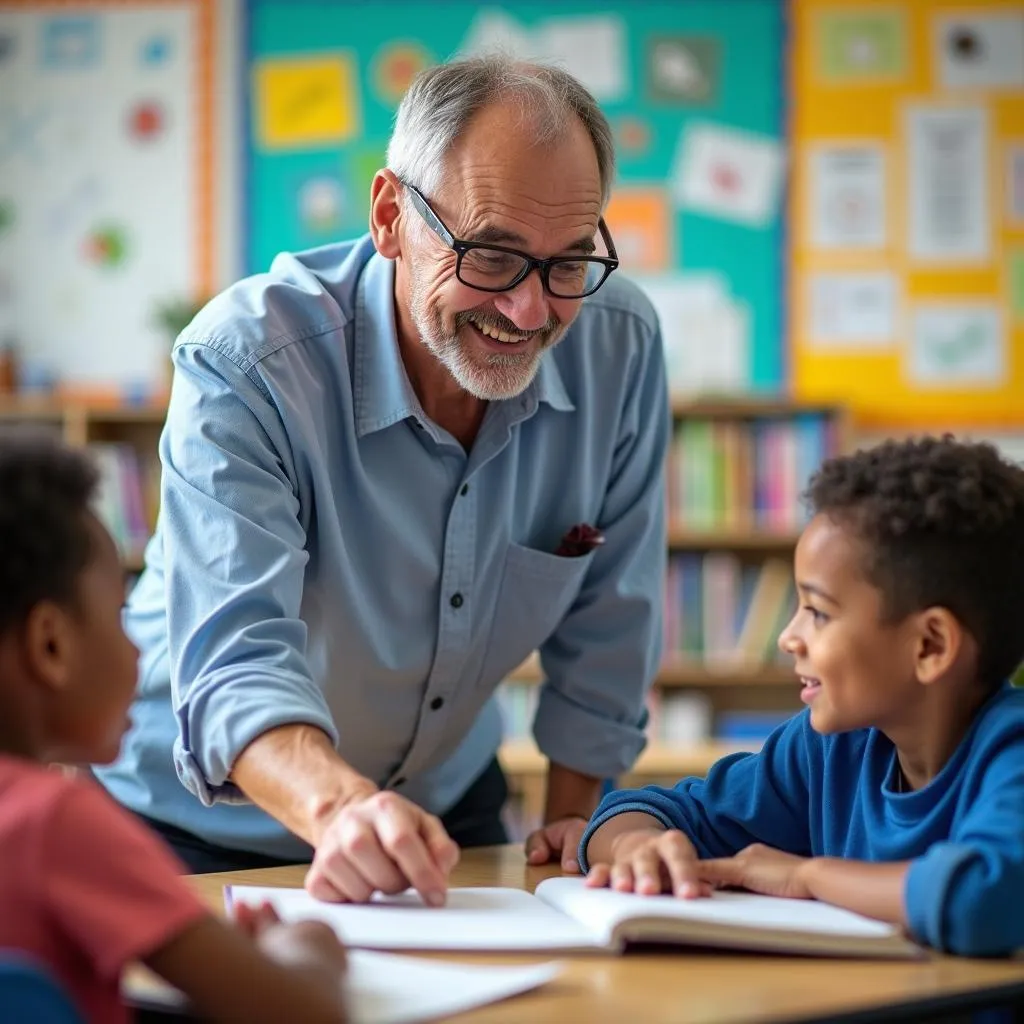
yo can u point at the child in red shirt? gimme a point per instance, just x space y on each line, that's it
84 890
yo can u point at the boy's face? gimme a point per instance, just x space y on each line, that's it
857 672
90 716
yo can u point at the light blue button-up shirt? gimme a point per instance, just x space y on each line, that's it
327 554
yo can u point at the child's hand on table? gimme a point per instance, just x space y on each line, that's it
760 869
649 861
309 944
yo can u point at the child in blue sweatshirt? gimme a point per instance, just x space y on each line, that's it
899 792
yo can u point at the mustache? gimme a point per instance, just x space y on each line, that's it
502 323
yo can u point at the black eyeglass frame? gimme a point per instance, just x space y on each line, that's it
461 246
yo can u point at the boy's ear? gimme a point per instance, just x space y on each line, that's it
386 214
939 641
48 642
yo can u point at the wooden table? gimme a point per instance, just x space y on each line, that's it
703 988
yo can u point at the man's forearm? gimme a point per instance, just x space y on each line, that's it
874 890
570 794
294 773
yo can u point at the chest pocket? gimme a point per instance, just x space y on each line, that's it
537 589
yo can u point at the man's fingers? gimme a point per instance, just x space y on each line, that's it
444 849
399 829
320 887
367 853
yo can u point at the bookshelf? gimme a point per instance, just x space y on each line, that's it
735 472
123 438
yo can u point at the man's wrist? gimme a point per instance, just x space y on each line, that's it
323 807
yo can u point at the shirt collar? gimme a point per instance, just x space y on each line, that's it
382 392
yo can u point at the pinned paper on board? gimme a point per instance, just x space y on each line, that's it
306 102
852 310
1015 183
947 164
958 345
363 164
640 220
1015 283
727 173
70 43
321 204
682 69
847 197
146 121
705 331
980 50
632 136
156 50
395 66
591 47
861 44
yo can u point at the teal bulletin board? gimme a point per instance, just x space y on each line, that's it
695 91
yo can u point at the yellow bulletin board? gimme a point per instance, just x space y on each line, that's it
907 230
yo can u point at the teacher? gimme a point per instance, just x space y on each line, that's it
374 460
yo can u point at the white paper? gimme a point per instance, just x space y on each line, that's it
472 919
705 332
848 197
380 988
957 345
852 310
983 50
494 31
601 909
948 184
1015 183
592 48
727 173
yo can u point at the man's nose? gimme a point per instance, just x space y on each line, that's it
526 305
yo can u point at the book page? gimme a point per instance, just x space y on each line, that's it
484 919
602 910
380 988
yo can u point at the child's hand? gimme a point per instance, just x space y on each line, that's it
760 869
310 944
651 861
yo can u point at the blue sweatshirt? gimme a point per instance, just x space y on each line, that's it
834 796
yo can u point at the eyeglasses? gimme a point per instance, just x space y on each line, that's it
496 268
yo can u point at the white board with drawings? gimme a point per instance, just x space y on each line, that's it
103 180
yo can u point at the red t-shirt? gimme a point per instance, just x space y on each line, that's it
84 889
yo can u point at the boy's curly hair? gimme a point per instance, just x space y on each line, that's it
943 522
45 491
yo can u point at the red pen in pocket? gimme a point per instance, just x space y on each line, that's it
579 540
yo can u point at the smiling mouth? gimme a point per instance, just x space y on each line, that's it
493 333
810 688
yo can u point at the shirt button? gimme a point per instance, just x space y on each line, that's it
465 490
437 703
456 600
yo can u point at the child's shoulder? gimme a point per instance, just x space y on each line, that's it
30 793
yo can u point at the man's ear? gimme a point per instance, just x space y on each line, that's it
939 641
47 645
386 213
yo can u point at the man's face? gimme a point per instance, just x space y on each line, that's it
501 187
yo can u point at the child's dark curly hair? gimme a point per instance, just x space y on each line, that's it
944 525
45 543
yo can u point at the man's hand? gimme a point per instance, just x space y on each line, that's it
381 842
760 869
649 861
557 841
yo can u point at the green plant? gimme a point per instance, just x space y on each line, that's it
174 315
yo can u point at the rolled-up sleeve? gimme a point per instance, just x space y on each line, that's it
965 895
234 552
602 659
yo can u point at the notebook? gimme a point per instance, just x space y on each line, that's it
379 988
566 916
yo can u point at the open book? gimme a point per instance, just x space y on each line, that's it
566 916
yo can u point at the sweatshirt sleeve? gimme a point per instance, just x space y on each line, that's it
965 895
746 798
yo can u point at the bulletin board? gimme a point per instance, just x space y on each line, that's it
908 223
695 93
106 167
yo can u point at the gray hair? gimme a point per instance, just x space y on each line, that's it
443 99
